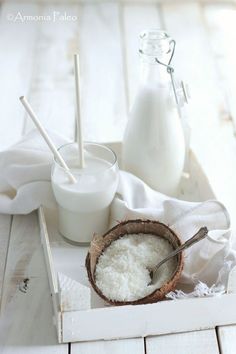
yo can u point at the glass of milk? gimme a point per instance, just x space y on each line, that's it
83 207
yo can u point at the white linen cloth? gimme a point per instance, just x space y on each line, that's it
209 260
25 171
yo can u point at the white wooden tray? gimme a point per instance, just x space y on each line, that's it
105 322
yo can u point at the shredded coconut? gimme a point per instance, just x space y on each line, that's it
122 269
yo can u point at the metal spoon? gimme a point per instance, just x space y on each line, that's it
200 235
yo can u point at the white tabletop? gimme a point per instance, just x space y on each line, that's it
37 43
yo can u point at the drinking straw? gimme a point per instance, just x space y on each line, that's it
46 137
78 115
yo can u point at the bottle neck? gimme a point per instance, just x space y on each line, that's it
155 76
155 44
153 73
156 52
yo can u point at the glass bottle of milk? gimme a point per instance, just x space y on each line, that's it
153 146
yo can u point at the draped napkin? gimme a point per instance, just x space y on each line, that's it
209 260
25 173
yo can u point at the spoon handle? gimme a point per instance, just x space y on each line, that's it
202 233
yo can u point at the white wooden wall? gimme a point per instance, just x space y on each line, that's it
36 60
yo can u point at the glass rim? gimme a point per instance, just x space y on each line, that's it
160 34
88 143
160 41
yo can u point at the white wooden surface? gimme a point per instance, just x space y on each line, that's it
5 226
26 324
124 346
192 342
16 69
227 339
36 60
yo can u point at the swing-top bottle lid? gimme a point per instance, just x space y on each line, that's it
155 42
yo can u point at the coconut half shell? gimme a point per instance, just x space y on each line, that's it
99 243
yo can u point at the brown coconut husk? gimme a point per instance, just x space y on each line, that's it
99 243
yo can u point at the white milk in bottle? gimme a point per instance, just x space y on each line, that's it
83 207
153 146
